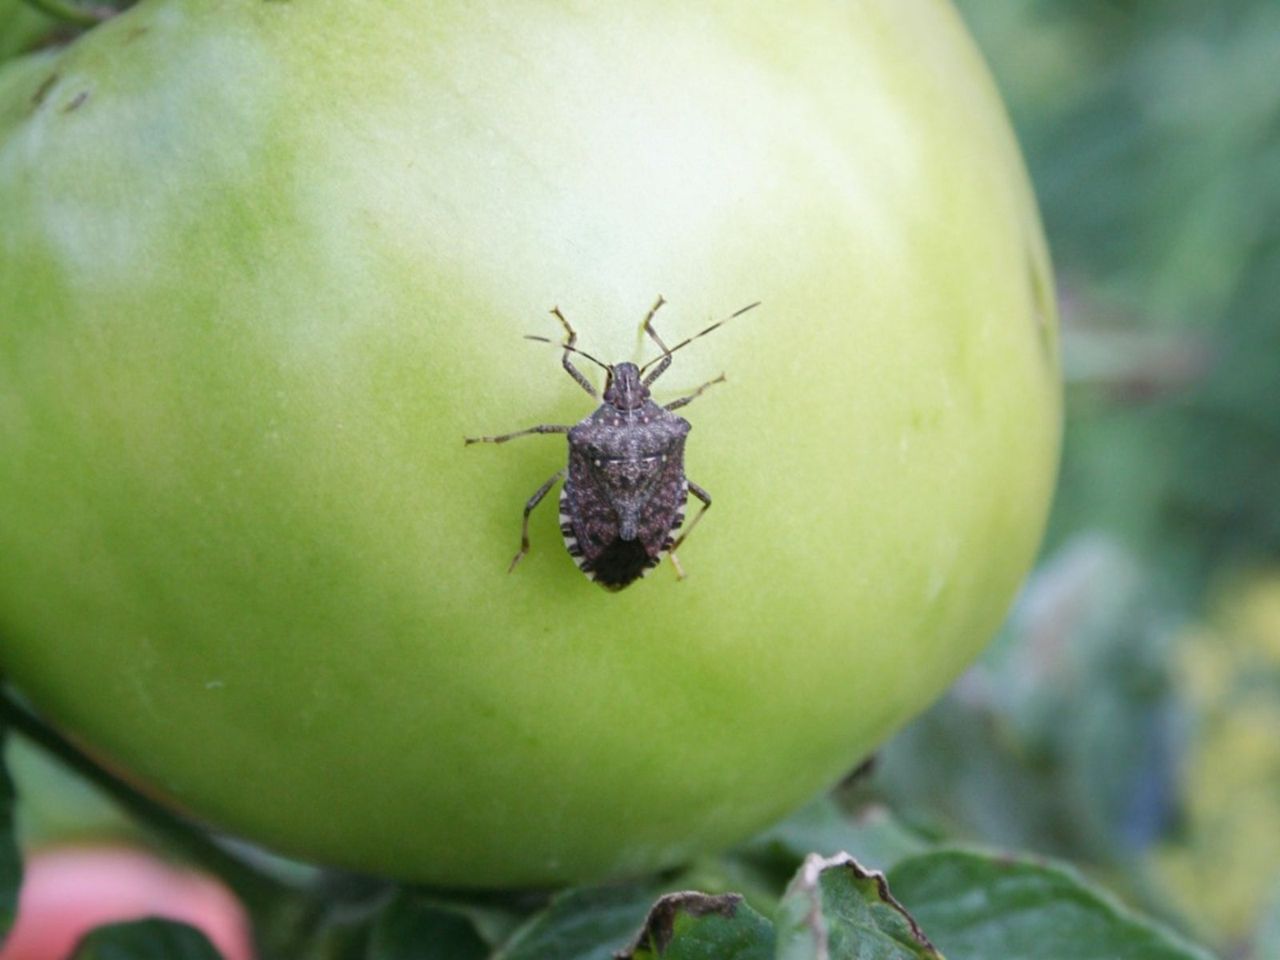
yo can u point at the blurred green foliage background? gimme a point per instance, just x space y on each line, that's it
1129 715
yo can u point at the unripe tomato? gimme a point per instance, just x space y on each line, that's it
262 267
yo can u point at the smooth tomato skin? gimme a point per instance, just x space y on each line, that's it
68 891
262 266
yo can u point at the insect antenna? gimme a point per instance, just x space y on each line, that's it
688 340
564 346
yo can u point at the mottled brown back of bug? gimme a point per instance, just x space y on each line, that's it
590 523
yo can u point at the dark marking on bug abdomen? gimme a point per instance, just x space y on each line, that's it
620 563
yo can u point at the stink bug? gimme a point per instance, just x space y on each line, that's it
625 490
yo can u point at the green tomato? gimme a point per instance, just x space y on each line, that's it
262 267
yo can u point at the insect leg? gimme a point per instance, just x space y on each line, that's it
705 497
528 509
686 400
647 326
540 428
568 344
675 562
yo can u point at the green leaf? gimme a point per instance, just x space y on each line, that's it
982 907
872 836
700 926
492 916
586 924
335 940
145 940
837 910
10 858
21 28
414 929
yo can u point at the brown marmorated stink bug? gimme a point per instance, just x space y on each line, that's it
624 495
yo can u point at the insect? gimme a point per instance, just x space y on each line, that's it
625 488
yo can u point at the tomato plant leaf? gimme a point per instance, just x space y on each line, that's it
701 926
584 924
21 28
10 857
873 836
983 907
413 929
835 908
150 939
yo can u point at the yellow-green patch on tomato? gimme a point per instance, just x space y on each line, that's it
262 267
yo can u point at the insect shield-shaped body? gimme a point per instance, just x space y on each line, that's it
626 490
625 493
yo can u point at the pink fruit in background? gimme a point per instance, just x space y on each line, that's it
68 891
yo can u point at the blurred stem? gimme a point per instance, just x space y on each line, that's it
67 12
264 897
